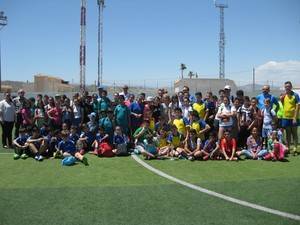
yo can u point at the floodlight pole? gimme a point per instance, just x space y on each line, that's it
3 23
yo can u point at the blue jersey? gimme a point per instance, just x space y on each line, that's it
21 140
67 146
44 131
261 98
74 137
120 139
99 137
90 137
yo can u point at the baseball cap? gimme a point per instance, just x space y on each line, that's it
227 87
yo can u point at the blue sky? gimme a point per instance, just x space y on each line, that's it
148 39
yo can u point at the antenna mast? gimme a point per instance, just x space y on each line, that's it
221 41
82 44
100 41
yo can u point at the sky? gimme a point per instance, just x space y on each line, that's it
145 41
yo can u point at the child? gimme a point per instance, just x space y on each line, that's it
67 148
150 149
101 144
276 149
141 134
106 122
37 144
269 116
198 124
122 115
86 140
186 108
180 122
210 149
254 146
175 141
92 124
73 134
228 147
200 106
120 142
52 140
20 145
192 146
162 140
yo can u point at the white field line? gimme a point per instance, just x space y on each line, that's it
215 194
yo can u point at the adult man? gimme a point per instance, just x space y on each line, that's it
186 92
266 94
125 92
18 102
7 118
290 101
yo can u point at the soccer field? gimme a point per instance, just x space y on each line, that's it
121 191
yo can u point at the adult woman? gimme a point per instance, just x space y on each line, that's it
7 117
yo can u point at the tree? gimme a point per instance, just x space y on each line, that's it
191 74
182 68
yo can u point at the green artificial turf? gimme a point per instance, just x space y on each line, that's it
120 191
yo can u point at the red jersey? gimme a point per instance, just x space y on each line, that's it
228 145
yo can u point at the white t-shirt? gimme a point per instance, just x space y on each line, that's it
225 109
8 111
77 111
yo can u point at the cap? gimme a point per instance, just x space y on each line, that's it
227 87
149 99
93 114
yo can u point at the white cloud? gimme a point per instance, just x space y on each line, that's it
279 72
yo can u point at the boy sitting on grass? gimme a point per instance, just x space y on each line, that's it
20 145
37 145
68 148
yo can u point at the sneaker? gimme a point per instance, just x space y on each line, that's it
24 156
85 161
16 156
57 155
36 157
5 146
191 158
40 158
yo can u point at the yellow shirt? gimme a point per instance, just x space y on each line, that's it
289 105
180 124
162 142
200 109
196 126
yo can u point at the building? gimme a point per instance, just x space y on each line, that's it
204 84
44 83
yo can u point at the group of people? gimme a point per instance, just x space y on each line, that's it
180 126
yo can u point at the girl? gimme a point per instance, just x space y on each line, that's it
101 144
254 146
210 149
40 115
120 142
224 115
192 146
276 149
228 146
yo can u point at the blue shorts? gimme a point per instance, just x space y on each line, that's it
289 123
266 132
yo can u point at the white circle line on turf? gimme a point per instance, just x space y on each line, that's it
215 194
